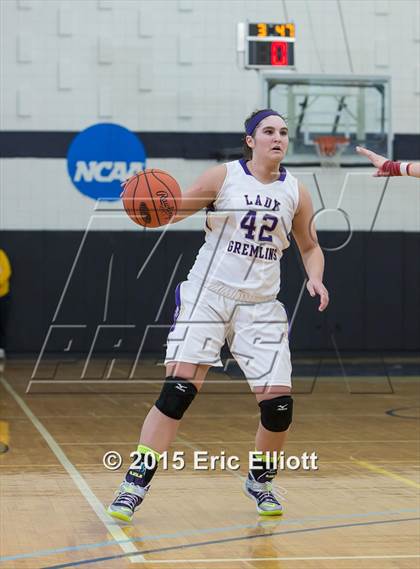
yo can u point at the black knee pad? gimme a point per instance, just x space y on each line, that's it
176 396
276 414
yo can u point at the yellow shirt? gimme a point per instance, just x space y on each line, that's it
5 273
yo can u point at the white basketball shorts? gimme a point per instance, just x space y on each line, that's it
256 332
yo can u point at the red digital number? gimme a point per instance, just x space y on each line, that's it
279 53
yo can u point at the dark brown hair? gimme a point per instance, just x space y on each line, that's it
247 151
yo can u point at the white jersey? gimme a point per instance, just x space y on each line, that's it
247 229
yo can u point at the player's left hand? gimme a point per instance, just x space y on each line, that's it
316 287
377 160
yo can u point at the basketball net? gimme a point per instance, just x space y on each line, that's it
330 148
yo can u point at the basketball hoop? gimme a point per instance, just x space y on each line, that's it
330 148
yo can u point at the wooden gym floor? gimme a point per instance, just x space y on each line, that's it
359 509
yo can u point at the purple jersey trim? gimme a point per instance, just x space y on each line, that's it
242 162
289 322
209 208
177 305
282 174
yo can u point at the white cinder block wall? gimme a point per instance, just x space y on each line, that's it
172 65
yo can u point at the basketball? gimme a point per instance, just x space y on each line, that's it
151 198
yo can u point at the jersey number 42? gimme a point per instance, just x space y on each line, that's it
249 224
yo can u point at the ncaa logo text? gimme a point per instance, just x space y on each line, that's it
101 157
105 171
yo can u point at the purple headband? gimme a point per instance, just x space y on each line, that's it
256 119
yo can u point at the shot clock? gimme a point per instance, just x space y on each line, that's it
270 45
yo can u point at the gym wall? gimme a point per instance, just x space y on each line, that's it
169 70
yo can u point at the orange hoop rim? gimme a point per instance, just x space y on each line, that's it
329 143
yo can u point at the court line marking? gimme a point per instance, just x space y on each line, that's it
75 475
264 559
413 463
32 465
380 470
186 533
225 540
229 442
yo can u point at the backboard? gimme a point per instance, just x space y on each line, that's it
353 107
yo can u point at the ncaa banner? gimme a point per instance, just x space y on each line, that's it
101 157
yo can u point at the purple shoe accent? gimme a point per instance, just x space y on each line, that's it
128 499
262 493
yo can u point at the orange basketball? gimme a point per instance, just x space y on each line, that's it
151 198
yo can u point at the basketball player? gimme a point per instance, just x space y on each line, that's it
230 294
387 167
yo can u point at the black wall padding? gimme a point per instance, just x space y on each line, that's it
188 145
374 284
406 147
